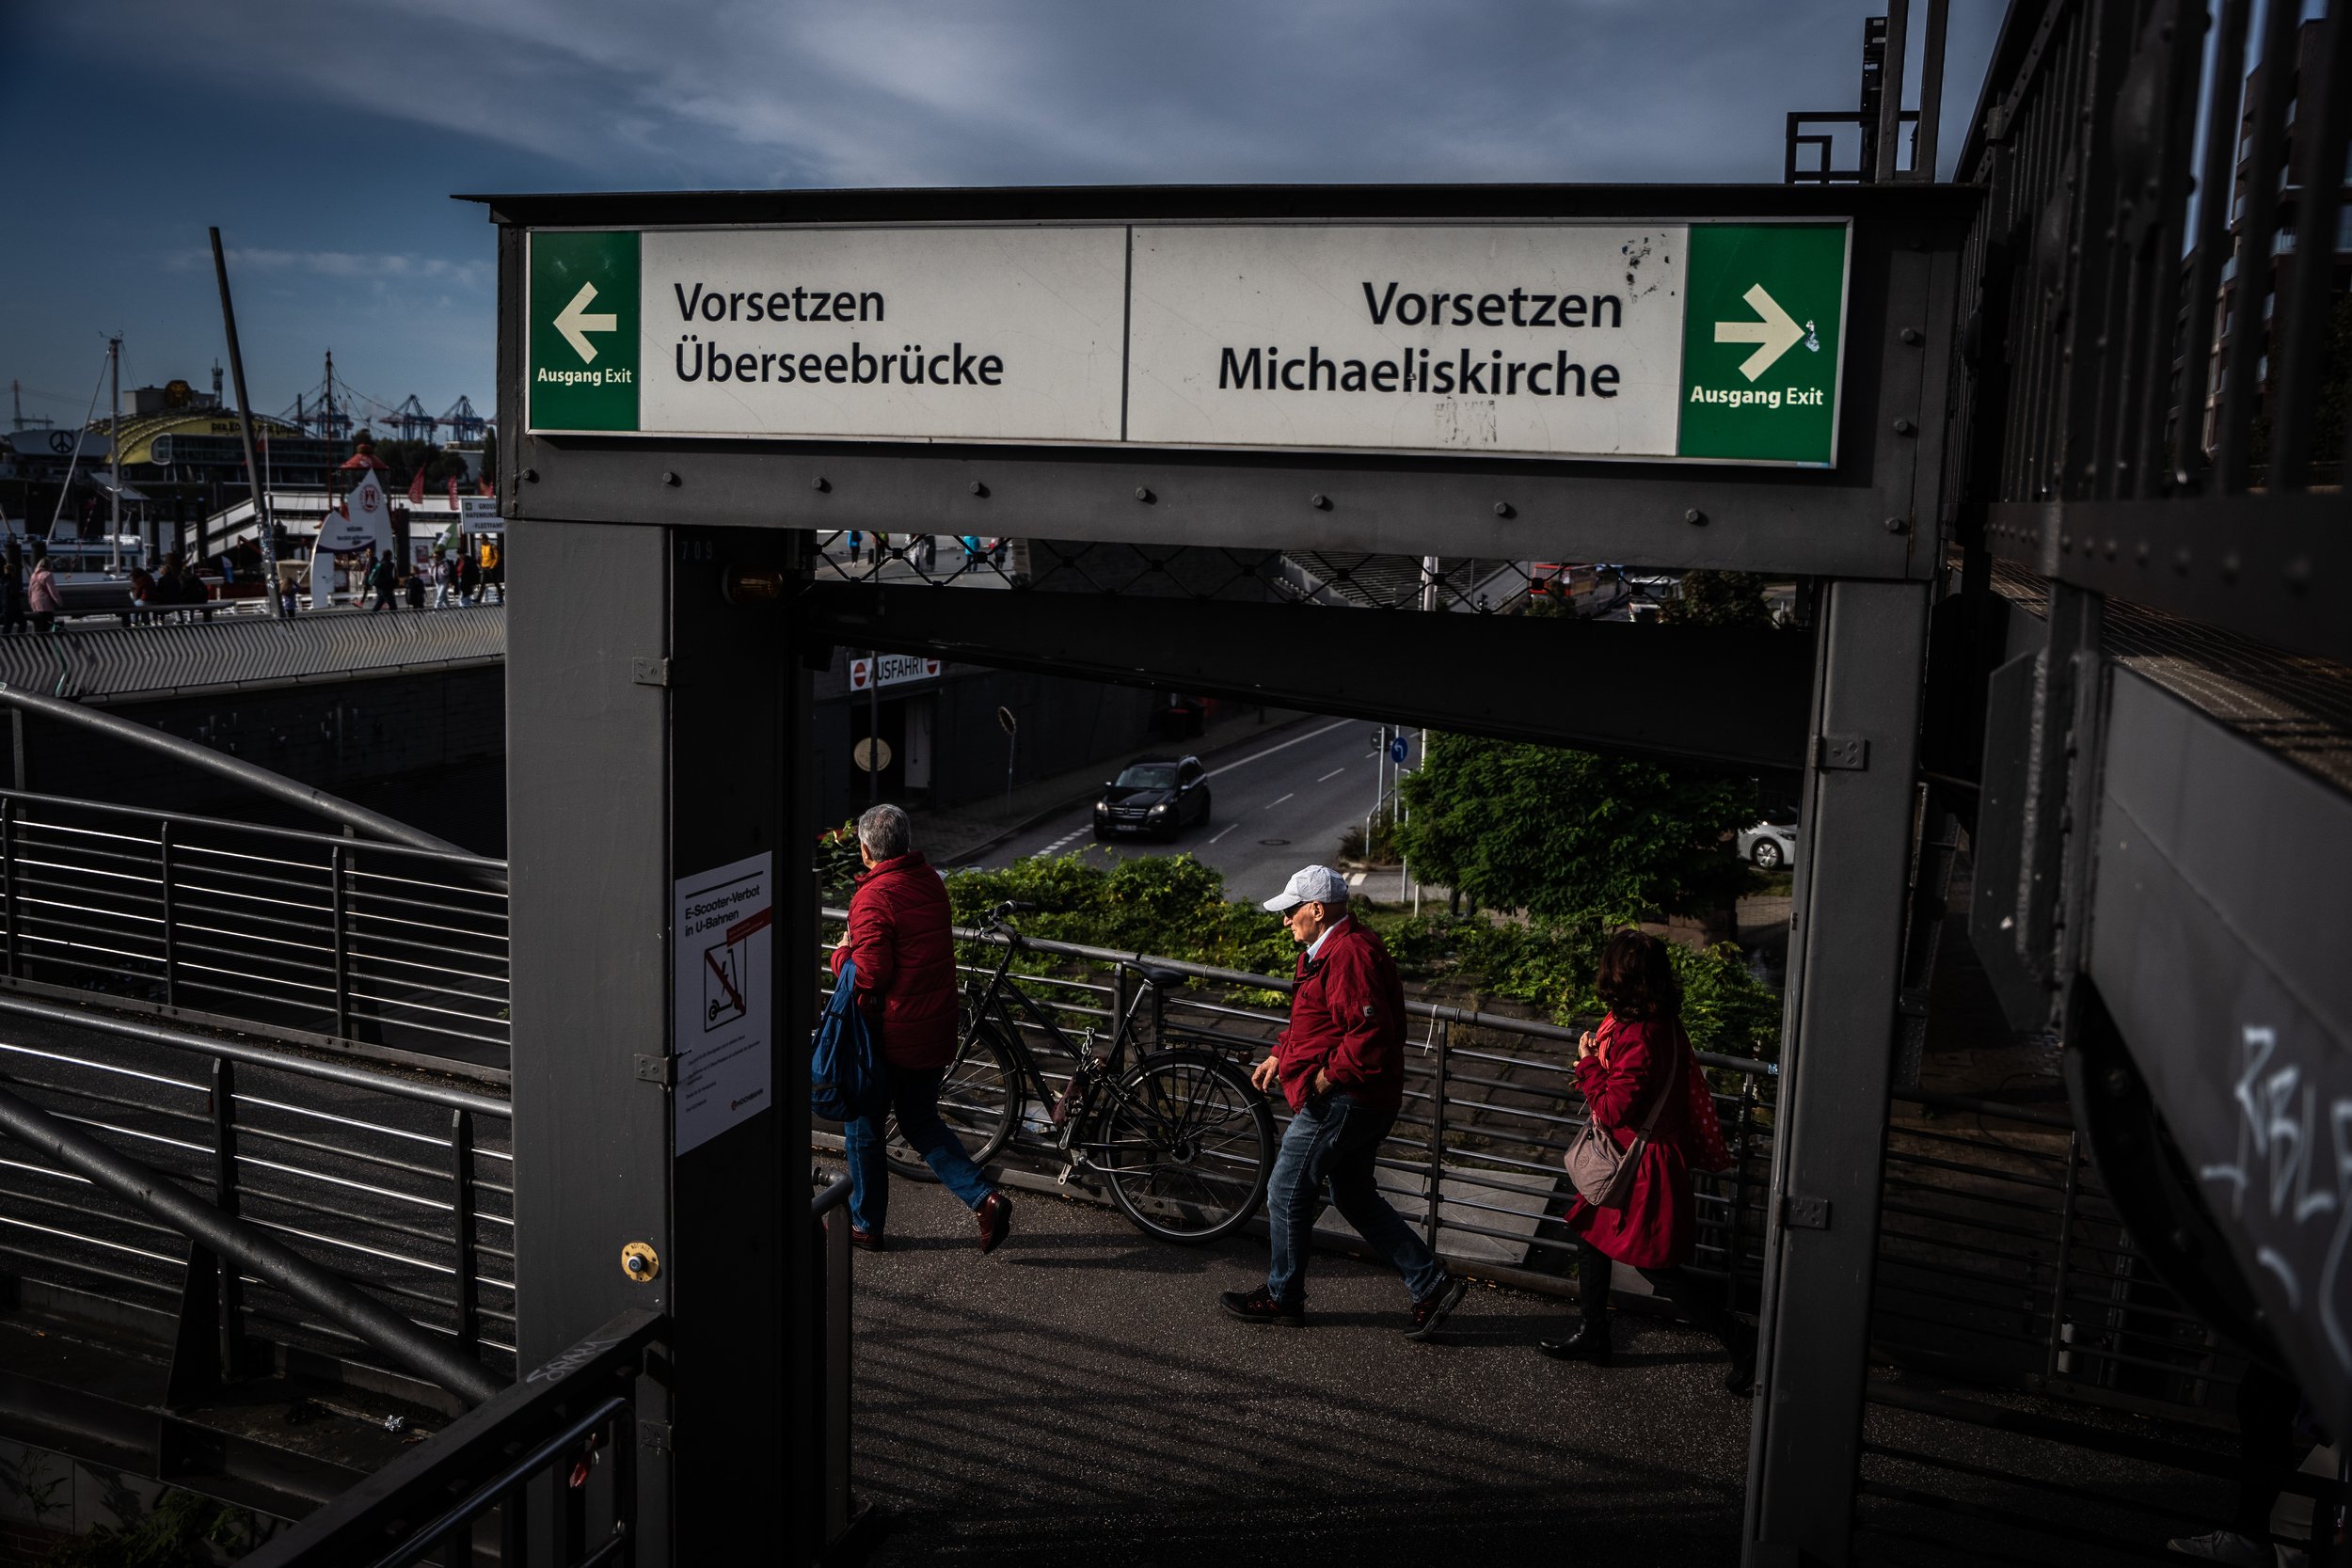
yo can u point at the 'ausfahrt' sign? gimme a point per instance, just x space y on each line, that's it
1700 341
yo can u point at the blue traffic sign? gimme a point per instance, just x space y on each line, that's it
1397 749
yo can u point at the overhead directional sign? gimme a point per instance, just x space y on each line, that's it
1686 342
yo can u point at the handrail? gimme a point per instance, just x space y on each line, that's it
260 780
427 1355
277 1061
1466 1017
464 859
831 1198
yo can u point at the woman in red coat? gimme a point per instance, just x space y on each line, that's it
1640 1061
905 953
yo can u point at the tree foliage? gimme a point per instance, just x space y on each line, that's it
1571 836
1719 599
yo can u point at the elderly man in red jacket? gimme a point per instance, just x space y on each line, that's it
1342 1067
905 953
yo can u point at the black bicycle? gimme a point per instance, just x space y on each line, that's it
1181 1139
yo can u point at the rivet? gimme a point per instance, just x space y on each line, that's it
530 476
978 489
819 484
1904 427
1910 335
2066 542
2112 548
2143 552
669 476
2299 572
1143 492
1320 501
1897 525
1502 509
2230 564
1694 516
2180 558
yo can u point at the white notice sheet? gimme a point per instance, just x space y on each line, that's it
723 939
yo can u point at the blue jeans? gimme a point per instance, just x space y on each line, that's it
914 1100
1333 1138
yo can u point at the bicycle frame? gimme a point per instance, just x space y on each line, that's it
992 1003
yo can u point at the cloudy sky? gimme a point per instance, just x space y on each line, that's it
324 137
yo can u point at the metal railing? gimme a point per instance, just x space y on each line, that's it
564 1438
1491 1104
400 1185
537 1452
377 949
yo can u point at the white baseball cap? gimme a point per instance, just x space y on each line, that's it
1313 884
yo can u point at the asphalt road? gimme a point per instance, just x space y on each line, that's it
1277 805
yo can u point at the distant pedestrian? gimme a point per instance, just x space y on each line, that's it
971 542
1637 1071
857 544
142 596
413 586
444 580
926 550
383 583
11 594
469 578
905 953
1341 1064
43 596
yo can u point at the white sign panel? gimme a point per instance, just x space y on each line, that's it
723 939
896 669
1507 338
1697 341
954 334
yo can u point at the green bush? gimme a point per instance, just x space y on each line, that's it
1174 907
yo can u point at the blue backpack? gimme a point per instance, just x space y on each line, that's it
847 1075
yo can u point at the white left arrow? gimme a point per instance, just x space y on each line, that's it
1774 335
575 322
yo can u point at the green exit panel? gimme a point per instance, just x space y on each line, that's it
584 337
1763 330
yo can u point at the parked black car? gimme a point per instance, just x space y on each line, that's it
1155 796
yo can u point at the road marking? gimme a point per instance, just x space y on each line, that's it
1226 828
1355 879
1057 847
1298 740
1271 804
1333 774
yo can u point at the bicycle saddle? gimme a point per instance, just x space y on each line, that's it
1167 977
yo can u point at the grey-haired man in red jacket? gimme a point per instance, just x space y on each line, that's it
1341 1065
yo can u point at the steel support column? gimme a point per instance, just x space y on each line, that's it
1835 1068
649 723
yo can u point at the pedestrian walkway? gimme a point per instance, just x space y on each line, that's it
1079 1397
961 834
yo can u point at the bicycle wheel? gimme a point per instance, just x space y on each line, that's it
979 1100
1184 1144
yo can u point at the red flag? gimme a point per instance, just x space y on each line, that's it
485 486
453 495
415 488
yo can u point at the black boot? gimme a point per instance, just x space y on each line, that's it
1589 1343
1740 1341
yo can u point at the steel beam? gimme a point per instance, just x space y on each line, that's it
1862 519
2272 567
1713 695
1836 1062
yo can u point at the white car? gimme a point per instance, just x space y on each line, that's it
1771 846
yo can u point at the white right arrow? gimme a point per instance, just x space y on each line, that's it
575 322
1775 335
